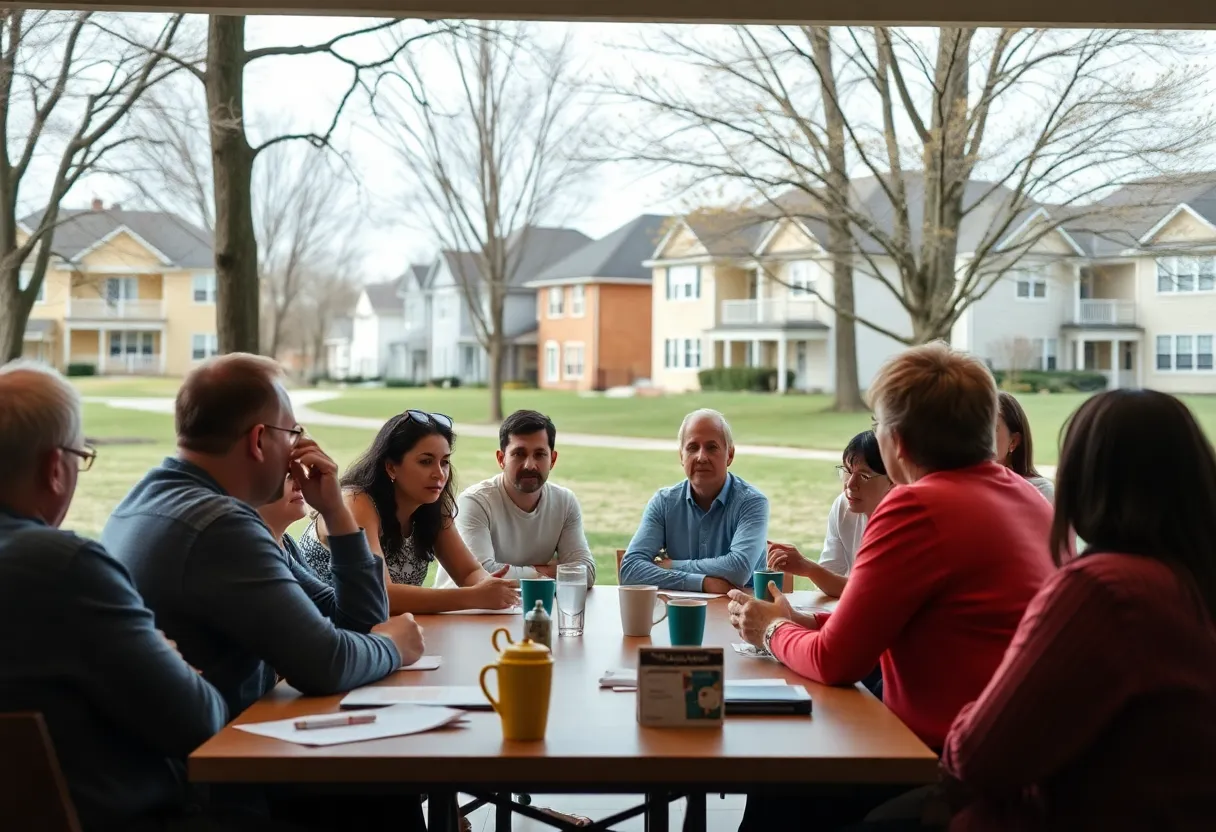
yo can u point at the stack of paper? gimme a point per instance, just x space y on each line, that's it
397 721
679 593
619 679
467 697
507 611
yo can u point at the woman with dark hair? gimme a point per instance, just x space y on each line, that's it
1014 447
400 492
865 483
1103 712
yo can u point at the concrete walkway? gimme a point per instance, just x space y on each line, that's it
302 399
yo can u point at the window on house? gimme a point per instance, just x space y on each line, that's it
684 283
119 289
553 370
204 288
1186 274
1165 352
671 353
574 361
1031 286
557 298
1203 352
801 279
1185 352
24 282
1045 353
203 346
578 301
692 353
1184 359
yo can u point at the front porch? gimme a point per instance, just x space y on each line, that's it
133 349
1117 354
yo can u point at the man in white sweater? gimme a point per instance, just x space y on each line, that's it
518 519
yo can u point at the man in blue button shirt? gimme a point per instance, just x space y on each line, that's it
712 526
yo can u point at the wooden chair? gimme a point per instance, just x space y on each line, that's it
787 585
33 793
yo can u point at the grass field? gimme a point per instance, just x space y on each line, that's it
613 486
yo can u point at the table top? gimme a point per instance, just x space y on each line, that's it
593 739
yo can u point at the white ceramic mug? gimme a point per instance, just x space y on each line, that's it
639 605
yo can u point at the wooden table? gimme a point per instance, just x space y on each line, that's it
593 743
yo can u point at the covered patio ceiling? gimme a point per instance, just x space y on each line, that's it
1191 14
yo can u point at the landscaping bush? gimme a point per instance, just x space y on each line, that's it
753 379
1051 381
81 370
518 384
400 382
445 381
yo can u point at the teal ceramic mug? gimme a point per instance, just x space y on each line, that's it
532 590
686 621
762 578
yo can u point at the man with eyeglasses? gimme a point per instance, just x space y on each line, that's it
239 608
122 707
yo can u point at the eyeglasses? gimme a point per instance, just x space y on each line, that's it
423 418
295 432
846 474
87 455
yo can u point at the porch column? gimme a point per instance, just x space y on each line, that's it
103 349
782 363
757 353
728 347
1114 364
67 347
1079 361
160 349
1139 358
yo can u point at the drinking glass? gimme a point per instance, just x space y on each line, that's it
571 598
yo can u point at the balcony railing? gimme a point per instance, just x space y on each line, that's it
122 310
771 311
1100 312
127 363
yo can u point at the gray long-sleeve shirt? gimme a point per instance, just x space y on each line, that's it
238 607
80 647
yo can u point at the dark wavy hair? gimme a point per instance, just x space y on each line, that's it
1021 462
1106 490
368 475
864 446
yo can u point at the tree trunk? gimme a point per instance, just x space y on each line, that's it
15 307
495 354
236 247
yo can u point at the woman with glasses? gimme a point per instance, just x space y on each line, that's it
1014 448
865 483
400 492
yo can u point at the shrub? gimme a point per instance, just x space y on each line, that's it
400 382
519 384
445 381
1051 381
754 379
80 370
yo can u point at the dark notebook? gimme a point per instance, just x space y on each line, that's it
767 699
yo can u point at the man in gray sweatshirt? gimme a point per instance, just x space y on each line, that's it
220 585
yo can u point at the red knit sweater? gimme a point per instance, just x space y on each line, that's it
946 568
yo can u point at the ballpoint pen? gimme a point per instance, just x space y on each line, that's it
335 721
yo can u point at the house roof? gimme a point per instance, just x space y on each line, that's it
533 249
182 243
620 254
384 298
1121 220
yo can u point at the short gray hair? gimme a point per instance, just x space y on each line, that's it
714 416
41 411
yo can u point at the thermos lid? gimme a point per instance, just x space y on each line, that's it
526 651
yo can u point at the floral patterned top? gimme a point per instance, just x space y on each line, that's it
404 566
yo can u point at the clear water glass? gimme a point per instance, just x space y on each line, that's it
571 598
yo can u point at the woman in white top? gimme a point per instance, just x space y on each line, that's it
1014 448
865 484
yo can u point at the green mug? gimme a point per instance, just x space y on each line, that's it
532 590
686 621
762 578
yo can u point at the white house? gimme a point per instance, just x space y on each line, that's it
378 322
337 348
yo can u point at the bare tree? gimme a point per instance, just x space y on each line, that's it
491 159
65 86
963 134
1015 355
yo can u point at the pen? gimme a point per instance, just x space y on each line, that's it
335 721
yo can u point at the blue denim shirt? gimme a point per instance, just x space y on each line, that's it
728 541
237 605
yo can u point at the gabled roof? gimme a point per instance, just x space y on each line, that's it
384 298
167 236
620 254
1126 218
532 250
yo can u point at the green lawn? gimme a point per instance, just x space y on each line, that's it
795 421
613 486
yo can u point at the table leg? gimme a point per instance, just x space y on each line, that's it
443 812
657 809
694 814
503 813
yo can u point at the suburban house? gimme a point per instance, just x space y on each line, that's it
594 307
377 323
337 348
1123 286
410 355
125 292
455 351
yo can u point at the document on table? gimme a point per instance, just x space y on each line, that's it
468 697
507 611
425 663
395 721
625 679
679 593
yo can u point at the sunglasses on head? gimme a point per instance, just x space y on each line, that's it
424 418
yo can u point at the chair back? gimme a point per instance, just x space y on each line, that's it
620 553
33 793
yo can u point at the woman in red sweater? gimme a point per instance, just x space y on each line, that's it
1103 713
948 563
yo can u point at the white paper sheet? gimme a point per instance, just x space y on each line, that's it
676 593
625 679
469 697
507 611
425 663
396 721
